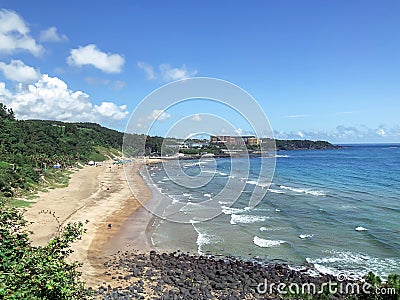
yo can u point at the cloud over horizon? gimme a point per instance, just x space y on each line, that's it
91 55
346 134
51 99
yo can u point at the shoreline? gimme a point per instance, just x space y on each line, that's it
100 195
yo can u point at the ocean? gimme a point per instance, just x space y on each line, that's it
337 210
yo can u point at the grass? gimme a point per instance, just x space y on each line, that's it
20 203
52 179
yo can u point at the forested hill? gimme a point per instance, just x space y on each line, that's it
303 145
29 147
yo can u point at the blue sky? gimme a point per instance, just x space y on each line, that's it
319 69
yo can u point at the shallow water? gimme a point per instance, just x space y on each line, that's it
337 209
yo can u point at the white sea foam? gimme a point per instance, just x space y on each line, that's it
357 264
276 191
340 256
359 228
204 238
305 236
266 243
232 210
225 202
246 219
208 171
270 229
257 183
174 200
281 156
252 182
304 191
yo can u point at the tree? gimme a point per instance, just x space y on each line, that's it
28 272
6 113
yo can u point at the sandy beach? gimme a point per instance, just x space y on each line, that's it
102 196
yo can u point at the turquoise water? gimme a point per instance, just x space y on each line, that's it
338 210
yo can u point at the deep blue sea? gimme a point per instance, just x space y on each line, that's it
338 210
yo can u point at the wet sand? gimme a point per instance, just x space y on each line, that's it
102 196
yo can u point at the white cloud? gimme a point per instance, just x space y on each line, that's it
347 134
148 70
14 34
169 73
91 55
49 98
381 132
16 70
239 131
196 118
158 114
114 85
51 35
111 110
166 72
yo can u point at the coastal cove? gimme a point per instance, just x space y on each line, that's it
323 209
294 228
259 242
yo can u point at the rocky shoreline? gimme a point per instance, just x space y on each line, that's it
177 275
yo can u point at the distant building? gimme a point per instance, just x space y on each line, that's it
250 140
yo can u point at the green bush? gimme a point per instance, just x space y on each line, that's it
28 272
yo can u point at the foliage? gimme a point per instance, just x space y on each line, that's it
28 272
389 290
302 145
30 148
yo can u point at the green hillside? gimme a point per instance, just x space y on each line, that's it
30 148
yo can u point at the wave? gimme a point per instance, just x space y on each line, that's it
271 228
266 243
356 264
305 236
257 183
359 228
281 156
204 238
276 191
208 171
233 210
304 191
246 219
